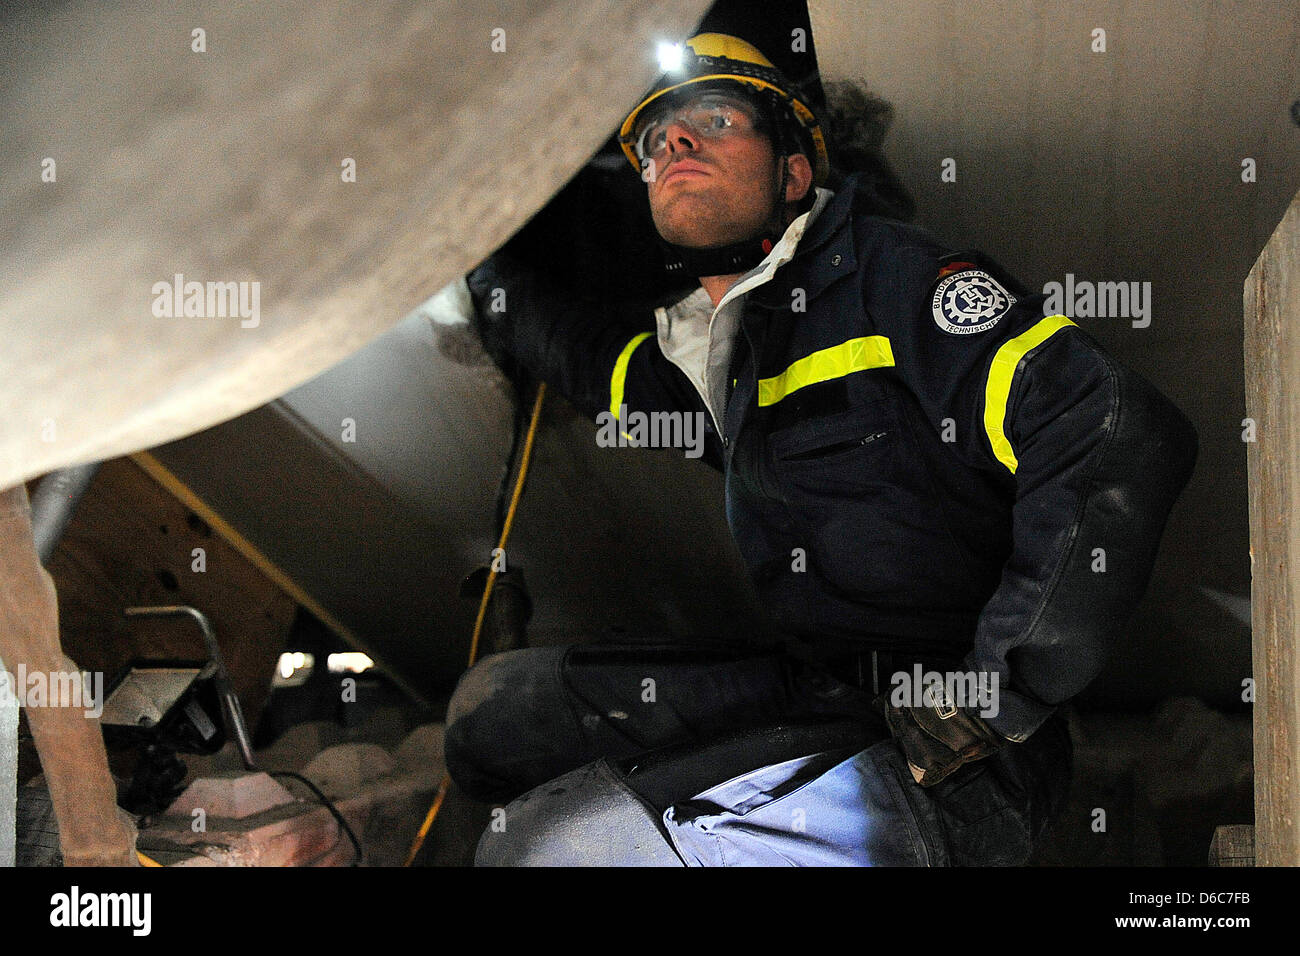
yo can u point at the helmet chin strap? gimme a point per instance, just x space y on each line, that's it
727 260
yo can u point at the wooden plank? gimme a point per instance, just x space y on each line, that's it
132 543
1272 350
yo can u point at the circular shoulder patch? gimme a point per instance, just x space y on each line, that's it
969 301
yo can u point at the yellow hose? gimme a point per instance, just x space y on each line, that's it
483 605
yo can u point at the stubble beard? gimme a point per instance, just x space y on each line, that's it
702 219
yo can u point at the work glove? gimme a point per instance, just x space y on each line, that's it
938 739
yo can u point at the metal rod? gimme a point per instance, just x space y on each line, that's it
225 688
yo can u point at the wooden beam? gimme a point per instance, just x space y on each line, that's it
132 541
1272 353
161 474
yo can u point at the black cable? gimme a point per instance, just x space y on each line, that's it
325 801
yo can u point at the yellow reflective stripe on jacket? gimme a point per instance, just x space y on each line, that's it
855 355
619 378
998 391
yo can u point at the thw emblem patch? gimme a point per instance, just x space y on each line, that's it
969 301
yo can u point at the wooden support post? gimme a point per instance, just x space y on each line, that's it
1272 433
69 741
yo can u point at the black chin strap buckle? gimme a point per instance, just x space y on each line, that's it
728 260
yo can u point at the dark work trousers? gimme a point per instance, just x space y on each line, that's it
633 755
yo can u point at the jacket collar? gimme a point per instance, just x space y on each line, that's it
826 252
832 218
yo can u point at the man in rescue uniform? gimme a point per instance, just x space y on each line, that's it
925 476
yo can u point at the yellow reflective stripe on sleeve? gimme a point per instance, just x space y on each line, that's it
1001 372
855 355
619 378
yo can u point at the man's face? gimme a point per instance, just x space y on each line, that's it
711 187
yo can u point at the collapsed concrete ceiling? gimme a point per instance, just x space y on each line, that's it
342 160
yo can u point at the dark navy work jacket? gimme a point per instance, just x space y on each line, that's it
916 458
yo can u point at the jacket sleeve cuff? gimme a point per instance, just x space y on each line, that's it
1017 717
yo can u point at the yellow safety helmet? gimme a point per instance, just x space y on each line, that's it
720 58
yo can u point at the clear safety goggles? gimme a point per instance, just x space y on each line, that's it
711 116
